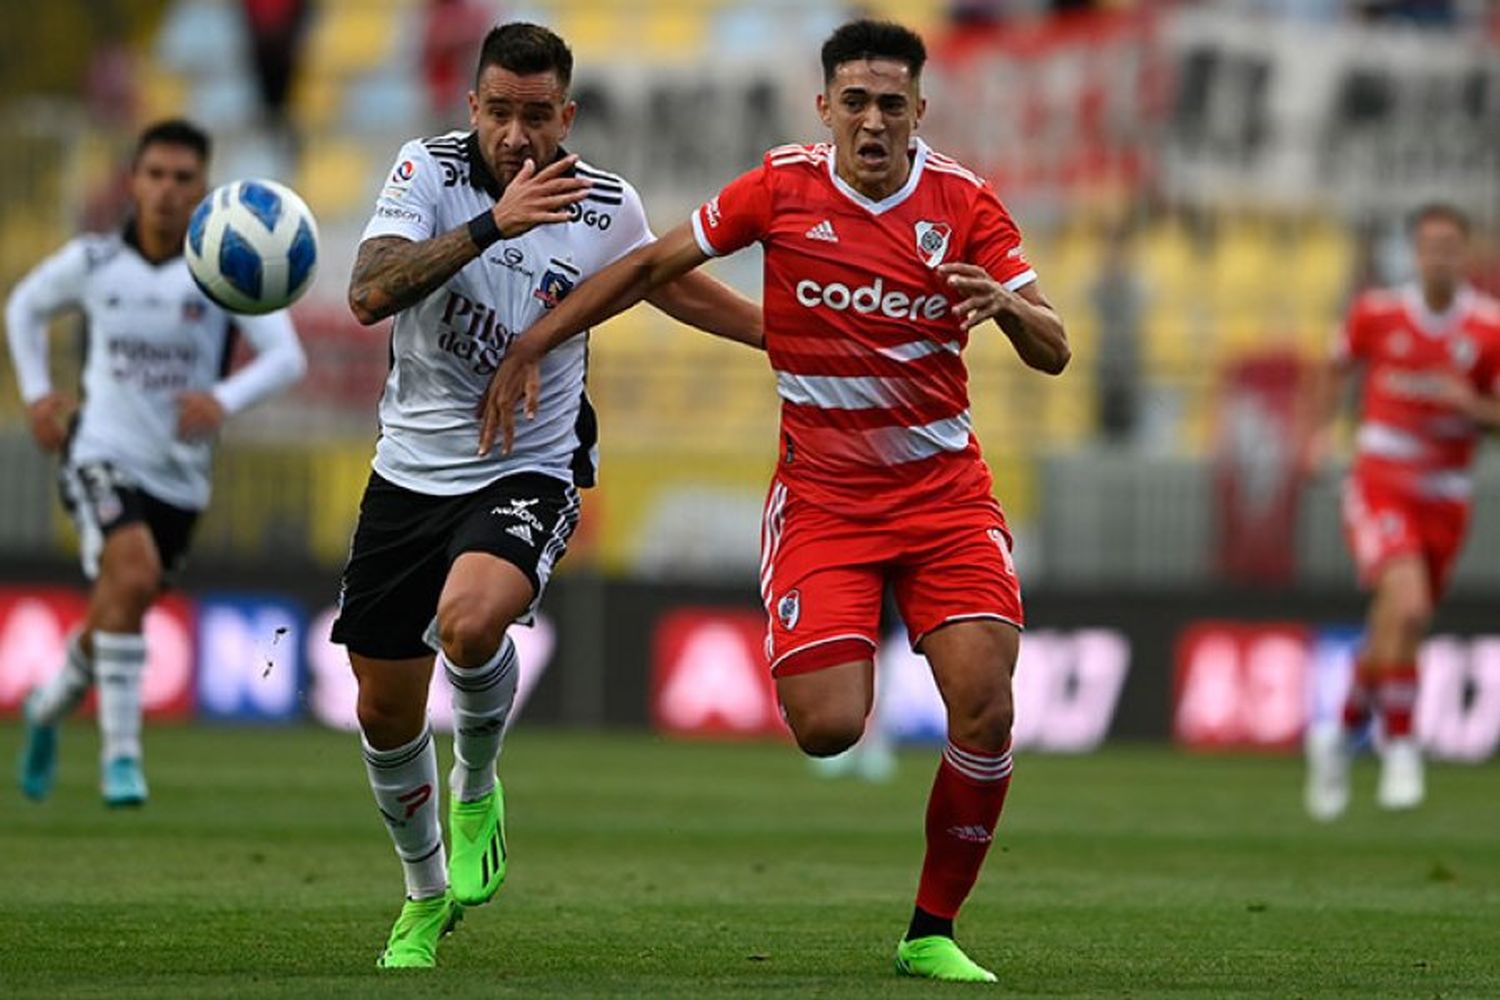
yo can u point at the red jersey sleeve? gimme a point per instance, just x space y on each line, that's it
1488 368
1352 342
737 216
995 242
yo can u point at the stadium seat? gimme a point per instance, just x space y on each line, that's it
324 177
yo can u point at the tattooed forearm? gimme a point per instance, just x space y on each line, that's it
391 273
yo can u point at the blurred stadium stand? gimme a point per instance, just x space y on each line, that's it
1223 174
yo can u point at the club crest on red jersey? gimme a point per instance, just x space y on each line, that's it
1464 352
932 241
789 609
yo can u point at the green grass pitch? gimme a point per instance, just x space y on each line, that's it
645 868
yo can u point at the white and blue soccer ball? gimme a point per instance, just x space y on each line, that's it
252 246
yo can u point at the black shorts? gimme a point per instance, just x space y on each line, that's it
405 542
100 499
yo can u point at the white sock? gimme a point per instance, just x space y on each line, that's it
405 784
119 662
482 699
58 697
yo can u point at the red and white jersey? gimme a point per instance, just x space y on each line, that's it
1408 438
860 327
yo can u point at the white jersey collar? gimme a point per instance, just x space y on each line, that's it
1436 324
918 161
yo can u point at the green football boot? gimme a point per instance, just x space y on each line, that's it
414 938
476 866
39 756
938 957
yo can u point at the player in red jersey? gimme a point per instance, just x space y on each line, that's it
881 257
1429 355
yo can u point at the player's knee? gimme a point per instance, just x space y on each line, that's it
984 726
140 587
1410 615
470 631
1413 616
125 593
387 718
825 734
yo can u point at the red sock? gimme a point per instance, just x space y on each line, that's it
1398 699
1361 700
962 811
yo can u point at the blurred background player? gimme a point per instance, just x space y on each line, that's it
136 456
881 255
454 544
1428 357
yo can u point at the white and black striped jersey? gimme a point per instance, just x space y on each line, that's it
445 348
151 335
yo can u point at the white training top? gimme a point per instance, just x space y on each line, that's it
151 335
445 348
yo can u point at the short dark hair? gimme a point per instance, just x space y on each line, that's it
524 49
173 132
1440 211
868 39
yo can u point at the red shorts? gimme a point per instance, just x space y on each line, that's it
1382 523
823 575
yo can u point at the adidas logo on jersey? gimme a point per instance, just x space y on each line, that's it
521 531
823 231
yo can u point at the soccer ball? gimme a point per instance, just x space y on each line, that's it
252 246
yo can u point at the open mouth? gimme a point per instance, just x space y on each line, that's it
871 155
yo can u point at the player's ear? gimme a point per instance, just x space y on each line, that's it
473 109
569 110
921 110
825 109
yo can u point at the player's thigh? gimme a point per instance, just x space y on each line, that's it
128 578
822 580
957 569
101 502
172 530
503 554
973 661
826 708
1444 525
1380 527
482 595
398 560
1403 596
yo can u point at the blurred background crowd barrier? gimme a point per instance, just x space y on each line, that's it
1202 187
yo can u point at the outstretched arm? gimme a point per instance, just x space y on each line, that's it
700 300
1482 408
1025 315
279 361
606 294
1319 409
392 272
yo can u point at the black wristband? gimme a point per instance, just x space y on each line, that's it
483 230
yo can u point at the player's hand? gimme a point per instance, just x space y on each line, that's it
199 415
1458 393
1316 452
984 297
48 417
518 380
537 197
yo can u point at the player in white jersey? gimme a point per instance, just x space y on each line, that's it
474 237
136 456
